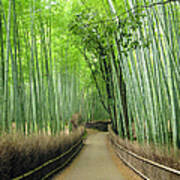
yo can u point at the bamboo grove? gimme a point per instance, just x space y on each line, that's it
61 57
41 81
132 48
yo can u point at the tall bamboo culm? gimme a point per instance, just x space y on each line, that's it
36 94
152 75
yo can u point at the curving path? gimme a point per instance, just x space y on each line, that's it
93 163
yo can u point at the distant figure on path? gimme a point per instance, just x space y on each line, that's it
76 120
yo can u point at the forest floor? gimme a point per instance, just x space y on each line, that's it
97 161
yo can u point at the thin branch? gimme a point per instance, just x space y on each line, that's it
148 6
97 86
136 8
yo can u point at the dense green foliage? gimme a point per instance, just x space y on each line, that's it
132 49
62 57
44 79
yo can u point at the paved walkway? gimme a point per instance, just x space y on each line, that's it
93 163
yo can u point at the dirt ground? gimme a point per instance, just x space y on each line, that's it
97 161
